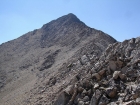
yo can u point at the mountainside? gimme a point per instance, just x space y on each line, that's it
37 66
113 79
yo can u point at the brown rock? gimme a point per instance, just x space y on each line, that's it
102 72
86 83
122 76
96 76
111 92
80 89
124 69
119 63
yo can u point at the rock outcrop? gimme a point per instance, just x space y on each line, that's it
115 81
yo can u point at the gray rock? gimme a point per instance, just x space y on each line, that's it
129 103
84 59
62 99
96 86
80 103
104 100
138 100
96 97
86 98
93 101
112 65
69 89
116 74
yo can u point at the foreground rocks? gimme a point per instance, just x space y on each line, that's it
113 80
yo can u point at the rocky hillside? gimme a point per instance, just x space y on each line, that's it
36 67
112 79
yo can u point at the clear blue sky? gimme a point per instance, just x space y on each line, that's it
118 18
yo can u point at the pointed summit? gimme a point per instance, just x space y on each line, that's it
69 18
64 20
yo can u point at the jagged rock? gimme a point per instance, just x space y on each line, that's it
96 97
93 101
69 89
75 92
89 92
116 74
84 92
96 86
104 100
77 99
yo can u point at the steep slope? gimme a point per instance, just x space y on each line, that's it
113 79
30 60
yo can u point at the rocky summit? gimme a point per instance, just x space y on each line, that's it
66 62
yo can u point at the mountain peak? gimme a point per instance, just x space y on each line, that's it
69 17
66 19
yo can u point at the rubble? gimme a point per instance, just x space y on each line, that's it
114 81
